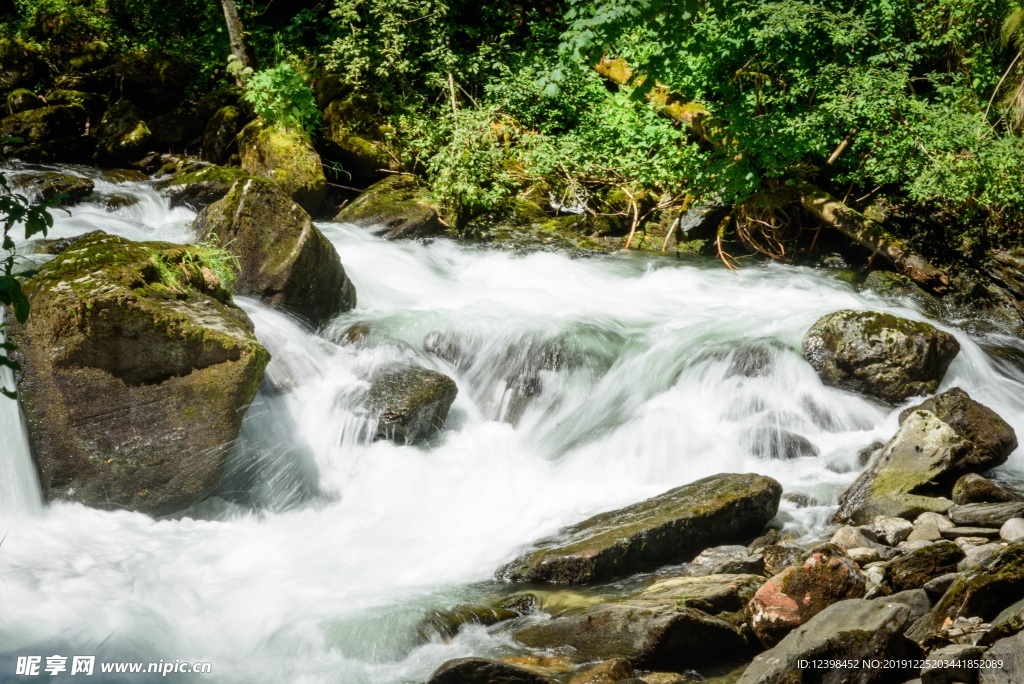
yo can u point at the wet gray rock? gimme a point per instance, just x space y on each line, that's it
409 403
929 526
951 664
397 207
1009 622
892 530
937 442
1009 653
48 185
878 354
485 671
726 560
938 586
986 514
851 629
284 260
670 528
973 488
769 442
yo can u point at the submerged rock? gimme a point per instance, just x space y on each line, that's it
669 528
286 157
802 591
397 207
409 403
136 372
849 630
284 260
879 354
47 185
937 442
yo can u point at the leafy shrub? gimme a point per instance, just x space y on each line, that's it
282 97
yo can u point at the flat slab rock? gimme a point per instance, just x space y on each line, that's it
670 528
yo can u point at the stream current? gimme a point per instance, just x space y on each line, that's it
584 385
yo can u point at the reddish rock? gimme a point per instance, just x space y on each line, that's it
800 592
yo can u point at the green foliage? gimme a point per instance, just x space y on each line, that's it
282 97
15 210
178 274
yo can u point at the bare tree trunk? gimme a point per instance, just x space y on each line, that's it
866 232
236 36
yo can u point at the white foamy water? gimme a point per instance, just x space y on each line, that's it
584 385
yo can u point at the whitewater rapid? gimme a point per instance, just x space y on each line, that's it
323 552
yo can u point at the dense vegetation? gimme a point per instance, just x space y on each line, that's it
908 110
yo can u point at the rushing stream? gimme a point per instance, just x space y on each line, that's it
584 385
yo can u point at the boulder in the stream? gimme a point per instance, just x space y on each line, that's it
850 631
136 372
285 261
48 185
675 624
486 671
973 488
286 157
800 592
122 135
397 207
937 442
878 354
46 134
409 404
198 188
670 528
981 592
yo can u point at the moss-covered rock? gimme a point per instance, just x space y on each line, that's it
669 528
447 623
981 592
47 185
22 100
973 488
93 103
46 134
136 372
397 207
219 138
286 157
676 623
19 63
197 189
176 131
285 260
926 456
122 135
850 631
522 226
917 568
800 592
408 403
346 137
878 354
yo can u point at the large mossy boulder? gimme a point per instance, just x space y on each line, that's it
675 624
982 592
49 185
22 100
219 137
396 207
878 354
136 373
850 631
284 260
670 528
350 138
198 188
938 441
122 136
46 134
286 157
800 592
19 63
408 404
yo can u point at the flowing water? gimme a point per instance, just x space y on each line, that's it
584 385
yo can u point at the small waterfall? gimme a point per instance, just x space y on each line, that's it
584 385
19 484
